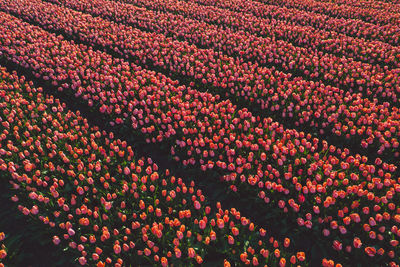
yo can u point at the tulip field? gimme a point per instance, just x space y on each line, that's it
199 133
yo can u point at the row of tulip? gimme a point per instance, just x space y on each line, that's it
342 72
397 2
350 117
337 197
356 28
371 15
371 4
304 36
3 251
107 204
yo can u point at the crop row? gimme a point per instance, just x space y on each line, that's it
382 17
304 36
342 72
371 4
338 198
356 28
107 204
356 120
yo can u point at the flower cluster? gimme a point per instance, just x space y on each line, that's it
106 204
318 185
348 116
330 263
3 251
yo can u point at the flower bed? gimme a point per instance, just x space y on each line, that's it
350 74
382 17
348 204
105 203
272 22
353 27
351 118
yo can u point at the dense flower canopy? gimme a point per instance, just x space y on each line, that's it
103 201
291 105
325 107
